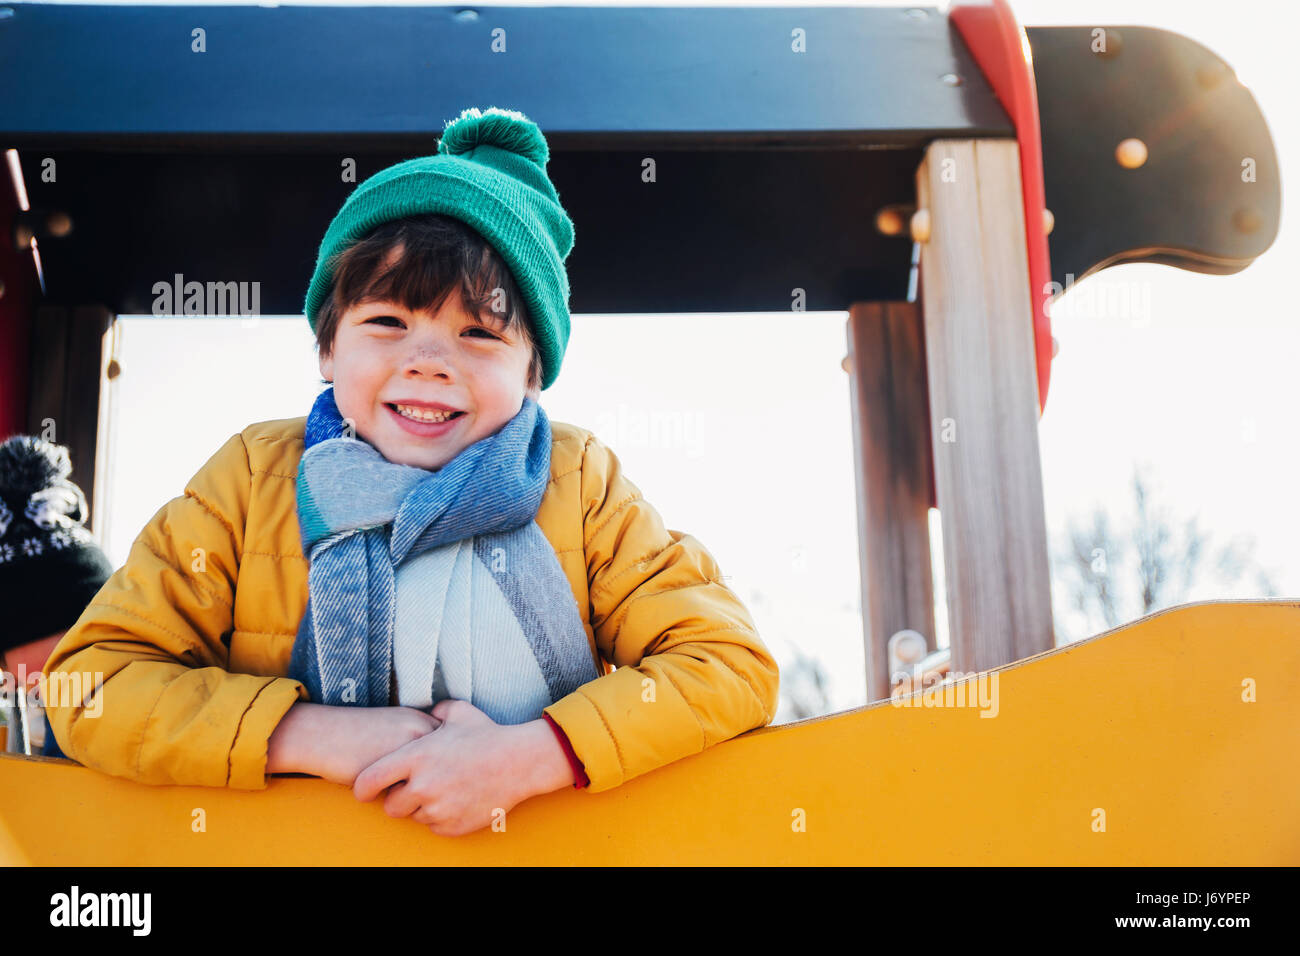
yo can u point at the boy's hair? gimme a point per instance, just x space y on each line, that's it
440 254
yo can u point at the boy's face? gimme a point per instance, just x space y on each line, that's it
384 355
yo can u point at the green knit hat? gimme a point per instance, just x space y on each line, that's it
490 173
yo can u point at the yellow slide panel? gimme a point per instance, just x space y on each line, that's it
1169 741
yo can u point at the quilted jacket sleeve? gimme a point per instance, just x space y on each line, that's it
691 668
138 687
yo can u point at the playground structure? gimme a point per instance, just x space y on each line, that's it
943 198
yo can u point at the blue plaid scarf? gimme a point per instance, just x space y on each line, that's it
441 577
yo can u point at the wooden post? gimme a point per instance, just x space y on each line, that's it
63 403
975 295
891 445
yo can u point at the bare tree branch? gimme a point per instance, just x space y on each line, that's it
1169 564
805 687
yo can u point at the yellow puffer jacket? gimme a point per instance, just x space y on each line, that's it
192 636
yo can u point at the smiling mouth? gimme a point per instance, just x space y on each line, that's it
424 415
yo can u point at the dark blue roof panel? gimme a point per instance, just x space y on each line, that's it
865 75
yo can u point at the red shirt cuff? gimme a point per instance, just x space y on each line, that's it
580 778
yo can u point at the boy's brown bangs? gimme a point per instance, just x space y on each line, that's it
439 255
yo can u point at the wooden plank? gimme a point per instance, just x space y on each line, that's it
984 403
86 344
48 364
891 451
109 369
63 406
702 75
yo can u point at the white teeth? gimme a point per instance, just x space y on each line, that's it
423 414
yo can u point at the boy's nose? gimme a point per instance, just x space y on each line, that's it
428 360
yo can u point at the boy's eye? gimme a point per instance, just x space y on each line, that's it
392 318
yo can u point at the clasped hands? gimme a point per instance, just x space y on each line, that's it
451 768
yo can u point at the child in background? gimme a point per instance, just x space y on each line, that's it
50 568
424 588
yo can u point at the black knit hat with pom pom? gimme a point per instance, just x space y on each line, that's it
490 173
50 566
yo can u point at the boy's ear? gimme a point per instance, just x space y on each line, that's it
327 367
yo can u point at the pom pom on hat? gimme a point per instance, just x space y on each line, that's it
29 464
507 129
50 565
34 485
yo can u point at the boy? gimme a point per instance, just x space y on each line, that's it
312 593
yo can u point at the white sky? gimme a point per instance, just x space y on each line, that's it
759 467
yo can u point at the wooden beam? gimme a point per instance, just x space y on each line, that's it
974 289
891 446
63 405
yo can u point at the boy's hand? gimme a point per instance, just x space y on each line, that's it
373 732
337 743
471 770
